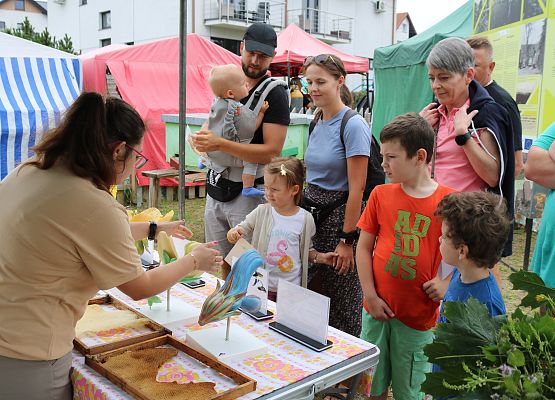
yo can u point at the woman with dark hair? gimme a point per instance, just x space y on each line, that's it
64 237
336 177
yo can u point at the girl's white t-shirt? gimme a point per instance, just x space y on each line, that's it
283 256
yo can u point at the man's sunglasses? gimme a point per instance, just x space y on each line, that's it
141 159
323 59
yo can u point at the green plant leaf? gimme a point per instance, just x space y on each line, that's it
436 384
516 358
491 353
533 284
511 385
545 325
470 327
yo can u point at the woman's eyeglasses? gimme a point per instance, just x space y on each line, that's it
322 59
141 159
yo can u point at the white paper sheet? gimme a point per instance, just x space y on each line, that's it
303 310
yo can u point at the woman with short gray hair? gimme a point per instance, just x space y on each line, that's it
451 54
474 142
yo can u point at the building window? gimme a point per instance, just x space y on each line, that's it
105 20
2 25
105 42
130 43
20 5
228 44
82 2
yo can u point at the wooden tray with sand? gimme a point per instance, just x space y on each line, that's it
139 370
99 298
109 324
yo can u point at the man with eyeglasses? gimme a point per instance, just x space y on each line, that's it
224 207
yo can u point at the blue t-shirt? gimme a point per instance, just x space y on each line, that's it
543 261
326 158
485 291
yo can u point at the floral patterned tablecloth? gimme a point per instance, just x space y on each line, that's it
285 361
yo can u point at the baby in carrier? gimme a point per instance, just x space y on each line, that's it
232 120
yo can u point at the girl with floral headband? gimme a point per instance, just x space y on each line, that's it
281 230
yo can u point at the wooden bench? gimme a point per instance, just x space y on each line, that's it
192 181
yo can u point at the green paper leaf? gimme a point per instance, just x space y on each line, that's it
139 245
166 259
152 300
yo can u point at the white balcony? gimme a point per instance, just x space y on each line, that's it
328 27
238 14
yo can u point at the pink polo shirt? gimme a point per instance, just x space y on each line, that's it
452 167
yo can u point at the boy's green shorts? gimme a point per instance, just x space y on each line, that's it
402 361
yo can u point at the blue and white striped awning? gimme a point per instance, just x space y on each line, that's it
34 92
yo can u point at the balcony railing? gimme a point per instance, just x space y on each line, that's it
241 13
329 27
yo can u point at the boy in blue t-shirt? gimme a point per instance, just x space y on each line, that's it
474 230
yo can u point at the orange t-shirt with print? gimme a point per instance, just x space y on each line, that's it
406 253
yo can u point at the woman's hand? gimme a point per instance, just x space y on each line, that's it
206 257
175 228
430 114
234 234
462 120
379 310
328 258
345 262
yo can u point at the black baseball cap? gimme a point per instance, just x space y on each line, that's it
261 37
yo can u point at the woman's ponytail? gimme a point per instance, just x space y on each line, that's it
85 139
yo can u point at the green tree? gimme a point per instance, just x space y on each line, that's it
46 39
26 31
65 44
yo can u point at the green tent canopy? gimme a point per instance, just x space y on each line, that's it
400 73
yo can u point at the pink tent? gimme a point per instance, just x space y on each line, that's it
147 76
294 45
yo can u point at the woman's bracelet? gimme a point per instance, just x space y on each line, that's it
315 259
195 263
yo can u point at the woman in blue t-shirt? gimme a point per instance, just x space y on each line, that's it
336 177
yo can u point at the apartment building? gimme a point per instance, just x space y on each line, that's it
13 13
353 26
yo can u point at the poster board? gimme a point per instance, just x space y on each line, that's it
529 73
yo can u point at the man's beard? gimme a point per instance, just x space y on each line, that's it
253 75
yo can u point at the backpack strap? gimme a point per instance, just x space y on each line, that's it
256 101
348 115
313 124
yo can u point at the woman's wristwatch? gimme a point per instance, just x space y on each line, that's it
152 228
462 139
348 238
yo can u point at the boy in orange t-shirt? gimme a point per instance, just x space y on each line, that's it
397 253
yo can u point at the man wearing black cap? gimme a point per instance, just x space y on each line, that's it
224 207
